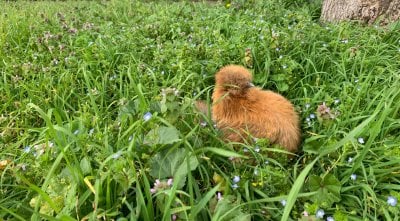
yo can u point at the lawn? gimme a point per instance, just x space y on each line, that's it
97 118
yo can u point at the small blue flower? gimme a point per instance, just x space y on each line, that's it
257 149
27 149
350 160
91 131
330 218
116 155
236 179
312 116
284 66
266 162
392 201
320 213
256 172
147 116
307 105
283 202
235 186
353 176
361 140
337 101
23 167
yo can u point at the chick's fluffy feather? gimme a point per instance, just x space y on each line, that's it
240 110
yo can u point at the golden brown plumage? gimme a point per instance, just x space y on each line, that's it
240 109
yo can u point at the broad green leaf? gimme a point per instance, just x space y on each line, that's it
328 189
162 135
172 164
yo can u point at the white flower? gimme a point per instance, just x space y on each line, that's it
236 179
283 202
257 149
320 213
76 132
361 140
235 186
312 116
353 176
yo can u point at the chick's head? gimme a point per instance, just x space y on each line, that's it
233 79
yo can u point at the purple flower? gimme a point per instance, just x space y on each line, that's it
170 181
219 196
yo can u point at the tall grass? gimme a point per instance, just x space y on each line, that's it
97 118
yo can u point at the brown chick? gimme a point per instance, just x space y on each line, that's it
240 109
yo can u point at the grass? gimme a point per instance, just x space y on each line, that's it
97 118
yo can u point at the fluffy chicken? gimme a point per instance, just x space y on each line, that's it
241 110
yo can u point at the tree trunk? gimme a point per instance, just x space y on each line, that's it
367 11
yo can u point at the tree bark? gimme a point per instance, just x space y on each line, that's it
367 11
